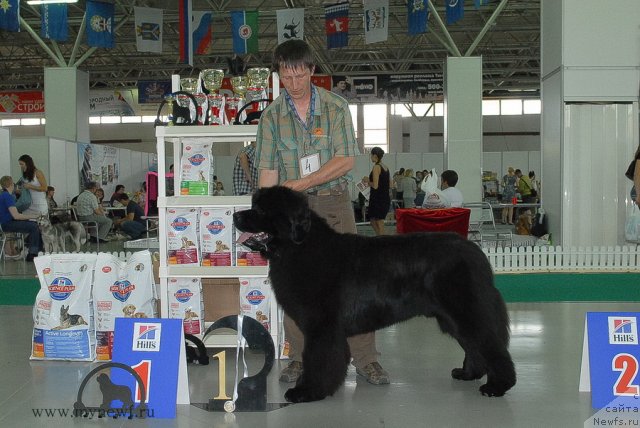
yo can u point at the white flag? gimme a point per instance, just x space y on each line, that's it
290 24
148 29
376 20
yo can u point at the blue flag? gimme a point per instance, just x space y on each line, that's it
9 13
100 17
54 22
337 24
245 31
455 10
417 16
481 3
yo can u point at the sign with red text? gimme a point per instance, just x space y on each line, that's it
22 102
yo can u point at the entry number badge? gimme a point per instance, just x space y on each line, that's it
309 164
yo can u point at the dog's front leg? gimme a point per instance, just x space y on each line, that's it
325 359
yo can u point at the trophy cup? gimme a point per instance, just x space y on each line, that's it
258 83
190 84
239 86
187 84
212 79
170 98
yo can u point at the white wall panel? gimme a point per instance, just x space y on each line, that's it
5 147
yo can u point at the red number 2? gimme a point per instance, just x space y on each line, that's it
627 365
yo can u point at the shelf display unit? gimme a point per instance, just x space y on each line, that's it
213 134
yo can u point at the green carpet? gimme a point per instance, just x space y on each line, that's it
540 287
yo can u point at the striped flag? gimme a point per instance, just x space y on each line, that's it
201 32
290 24
100 23
417 16
455 11
376 20
148 29
9 13
184 24
245 31
54 22
337 24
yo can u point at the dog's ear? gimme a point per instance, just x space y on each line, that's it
300 224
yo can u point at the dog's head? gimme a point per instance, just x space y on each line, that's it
277 211
43 221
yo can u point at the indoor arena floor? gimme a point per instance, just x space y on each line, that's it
546 346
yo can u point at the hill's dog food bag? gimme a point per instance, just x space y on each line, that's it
62 315
182 237
255 299
185 303
196 168
216 236
121 289
245 256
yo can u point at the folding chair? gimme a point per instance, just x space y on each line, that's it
10 237
88 226
481 215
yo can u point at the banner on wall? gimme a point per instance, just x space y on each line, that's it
153 91
108 103
419 87
22 102
100 164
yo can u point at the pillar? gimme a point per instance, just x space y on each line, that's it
66 104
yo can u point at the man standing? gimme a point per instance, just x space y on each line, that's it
524 188
245 173
306 141
88 209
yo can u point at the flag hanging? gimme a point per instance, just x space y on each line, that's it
184 25
376 20
455 10
481 3
9 13
54 22
148 29
290 24
201 32
245 31
417 16
100 24
337 24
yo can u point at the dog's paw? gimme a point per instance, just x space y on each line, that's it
492 390
302 395
462 374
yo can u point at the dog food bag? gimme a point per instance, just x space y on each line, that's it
216 236
182 236
255 299
185 303
62 315
245 256
196 167
121 289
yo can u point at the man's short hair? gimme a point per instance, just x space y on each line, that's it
119 186
91 185
293 53
450 176
123 197
6 181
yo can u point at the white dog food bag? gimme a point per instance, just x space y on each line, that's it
182 236
62 315
255 299
186 303
196 167
121 289
245 256
216 236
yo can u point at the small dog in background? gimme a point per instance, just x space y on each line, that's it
54 236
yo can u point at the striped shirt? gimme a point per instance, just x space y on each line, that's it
86 204
282 140
240 184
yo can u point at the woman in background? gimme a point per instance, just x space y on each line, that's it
379 198
508 193
33 180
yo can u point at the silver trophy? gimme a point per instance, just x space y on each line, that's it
212 79
257 90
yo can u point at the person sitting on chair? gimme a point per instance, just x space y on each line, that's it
132 223
88 209
12 221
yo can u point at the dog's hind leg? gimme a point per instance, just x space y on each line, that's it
325 360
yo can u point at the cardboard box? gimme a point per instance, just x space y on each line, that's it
221 297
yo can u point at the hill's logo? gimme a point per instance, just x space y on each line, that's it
146 337
61 288
215 227
180 224
623 331
255 297
196 159
183 295
121 290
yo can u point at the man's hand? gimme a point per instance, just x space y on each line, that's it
299 185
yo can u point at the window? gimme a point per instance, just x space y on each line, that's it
490 107
510 107
532 106
375 126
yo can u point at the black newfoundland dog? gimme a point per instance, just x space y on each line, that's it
337 285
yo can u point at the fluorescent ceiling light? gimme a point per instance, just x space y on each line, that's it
35 2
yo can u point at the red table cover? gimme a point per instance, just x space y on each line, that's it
433 220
